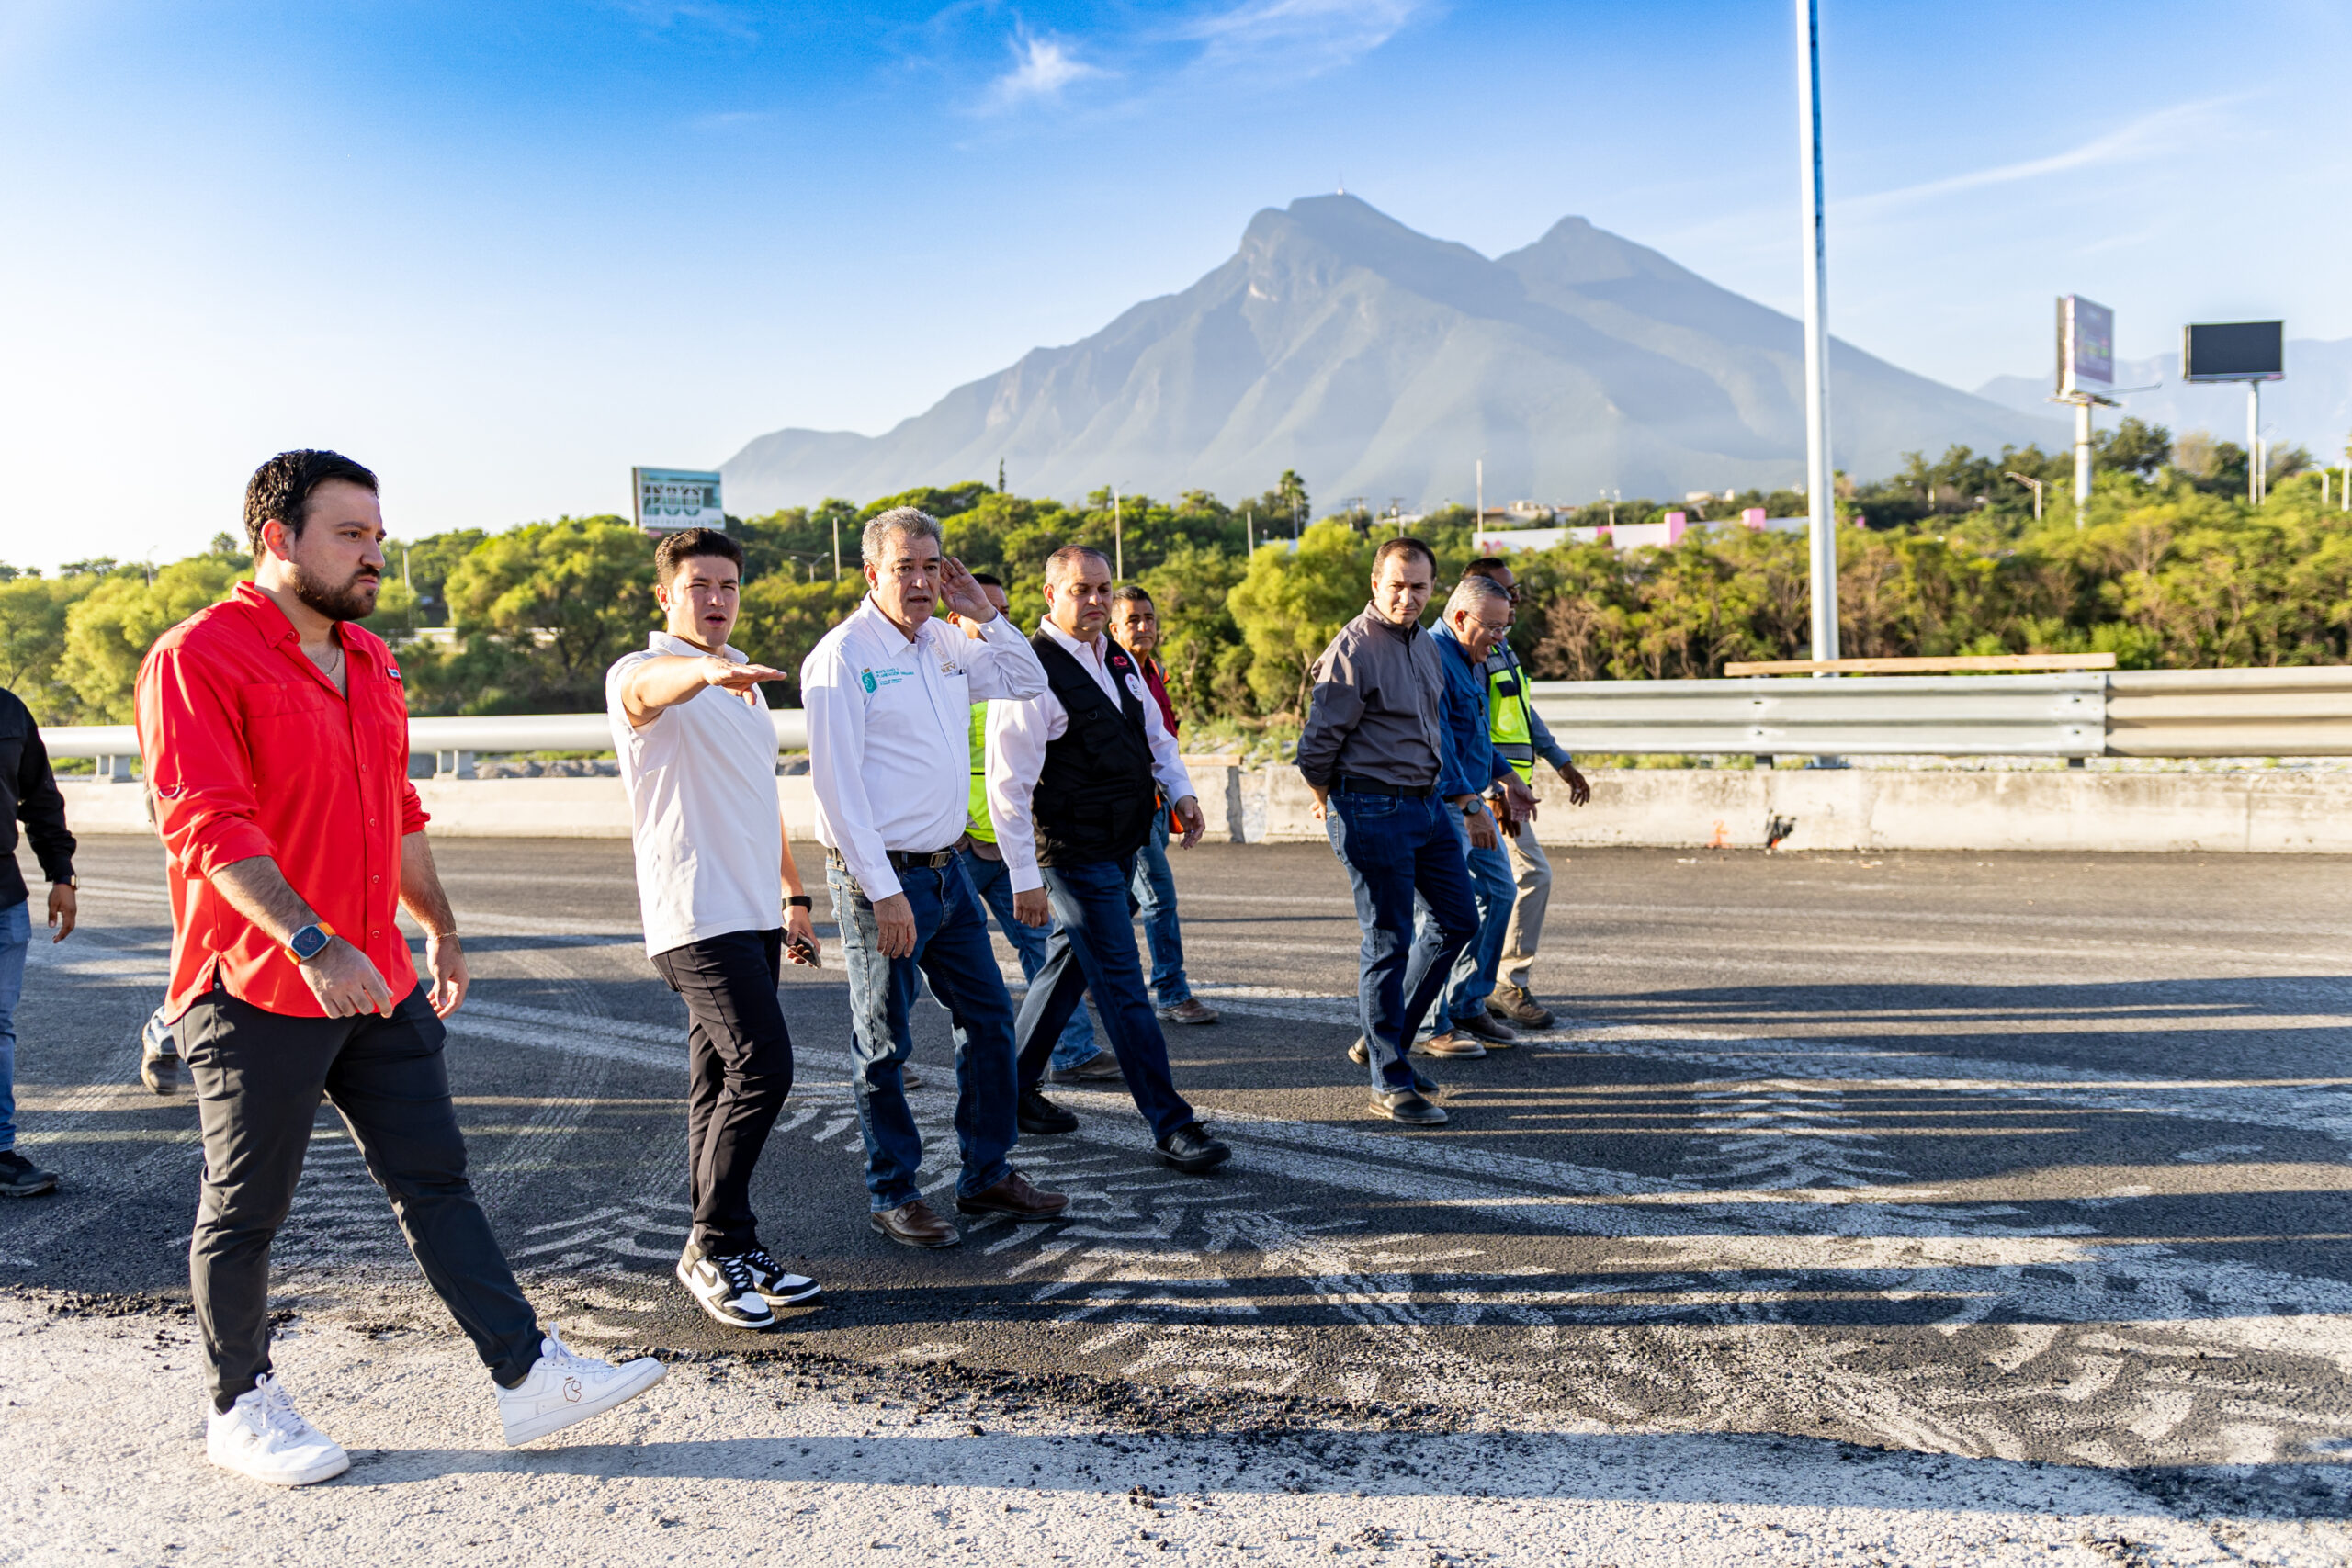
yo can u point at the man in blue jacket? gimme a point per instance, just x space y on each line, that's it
1477 618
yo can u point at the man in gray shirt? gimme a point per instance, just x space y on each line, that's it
1371 751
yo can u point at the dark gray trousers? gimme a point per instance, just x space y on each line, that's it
740 1055
258 1077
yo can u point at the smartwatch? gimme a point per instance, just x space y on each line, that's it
1470 808
310 942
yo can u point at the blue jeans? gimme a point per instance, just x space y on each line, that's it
1094 949
952 951
1396 849
16 936
994 887
1472 978
1155 894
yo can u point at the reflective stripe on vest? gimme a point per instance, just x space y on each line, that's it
1508 727
977 810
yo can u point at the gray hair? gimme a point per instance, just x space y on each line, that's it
912 521
1473 591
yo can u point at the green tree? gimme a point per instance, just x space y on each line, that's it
542 611
1289 606
110 628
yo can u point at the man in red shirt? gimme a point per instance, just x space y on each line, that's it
276 734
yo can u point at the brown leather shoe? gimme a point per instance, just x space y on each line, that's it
1191 1009
1452 1043
1015 1197
915 1224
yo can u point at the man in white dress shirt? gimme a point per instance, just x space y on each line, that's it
1074 781
890 694
697 753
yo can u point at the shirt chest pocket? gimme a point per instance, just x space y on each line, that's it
290 726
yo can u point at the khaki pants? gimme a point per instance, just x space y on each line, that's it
1531 874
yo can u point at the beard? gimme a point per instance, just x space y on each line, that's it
351 599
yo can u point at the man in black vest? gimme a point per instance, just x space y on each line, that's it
1073 778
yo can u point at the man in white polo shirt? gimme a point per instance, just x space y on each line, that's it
697 753
890 694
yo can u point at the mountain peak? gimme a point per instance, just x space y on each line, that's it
1379 361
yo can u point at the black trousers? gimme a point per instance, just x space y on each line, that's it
740 1072
258 1077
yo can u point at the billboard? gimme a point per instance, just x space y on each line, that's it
2233 351
2085 347
677 498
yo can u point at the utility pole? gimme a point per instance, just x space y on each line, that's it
1118 541
2035 485
2254 487
1480 519
1249 533
836 515
1821 493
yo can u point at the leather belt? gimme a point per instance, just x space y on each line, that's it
1348 783
907 860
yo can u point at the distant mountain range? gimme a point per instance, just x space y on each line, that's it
1379 362
2311 407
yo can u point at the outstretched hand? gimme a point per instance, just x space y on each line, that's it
727 675
963 596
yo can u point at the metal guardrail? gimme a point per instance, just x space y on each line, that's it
2304 712
453 743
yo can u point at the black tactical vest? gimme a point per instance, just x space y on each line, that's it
1095 796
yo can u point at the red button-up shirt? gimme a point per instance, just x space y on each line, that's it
250 750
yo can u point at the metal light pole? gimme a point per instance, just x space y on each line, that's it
1821 494
2254 475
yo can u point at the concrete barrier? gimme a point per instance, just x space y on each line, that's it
2277 812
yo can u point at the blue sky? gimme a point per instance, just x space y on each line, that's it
502 250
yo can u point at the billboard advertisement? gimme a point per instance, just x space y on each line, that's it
677 498
2233 351
2085 347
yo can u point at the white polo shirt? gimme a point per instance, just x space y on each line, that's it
890 732
701 801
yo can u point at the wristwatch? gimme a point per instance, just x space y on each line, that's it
310 942
799 901
1470 806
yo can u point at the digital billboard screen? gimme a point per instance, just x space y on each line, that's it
2086 346
2233 351
677 498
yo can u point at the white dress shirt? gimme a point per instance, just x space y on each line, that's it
1019 733
701 783
890 732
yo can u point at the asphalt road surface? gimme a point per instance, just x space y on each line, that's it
2039 1159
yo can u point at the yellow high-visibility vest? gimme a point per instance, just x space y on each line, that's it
1506 718
977 810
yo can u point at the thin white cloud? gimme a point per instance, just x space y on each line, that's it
1331 32
1042 67
2149 136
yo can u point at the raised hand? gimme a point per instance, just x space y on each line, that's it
963 596
727 675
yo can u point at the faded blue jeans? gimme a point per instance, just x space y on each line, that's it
1472 980
994 887
952 951
16 937
1154 889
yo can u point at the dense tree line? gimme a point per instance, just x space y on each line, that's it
2168 567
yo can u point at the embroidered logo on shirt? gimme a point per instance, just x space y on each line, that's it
875 680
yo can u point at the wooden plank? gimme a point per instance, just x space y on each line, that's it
2012 662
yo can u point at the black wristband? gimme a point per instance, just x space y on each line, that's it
799 901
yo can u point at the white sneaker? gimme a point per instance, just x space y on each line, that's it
263 1437
565 1387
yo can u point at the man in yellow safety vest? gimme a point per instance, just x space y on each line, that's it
1520 736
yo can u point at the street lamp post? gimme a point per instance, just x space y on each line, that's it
1821 498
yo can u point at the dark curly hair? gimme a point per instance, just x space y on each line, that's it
280 489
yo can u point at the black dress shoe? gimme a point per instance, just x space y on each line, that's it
1190 1149
1042 1118
1406 1105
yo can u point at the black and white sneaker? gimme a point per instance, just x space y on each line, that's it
20 1177
775 1286
723 1285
